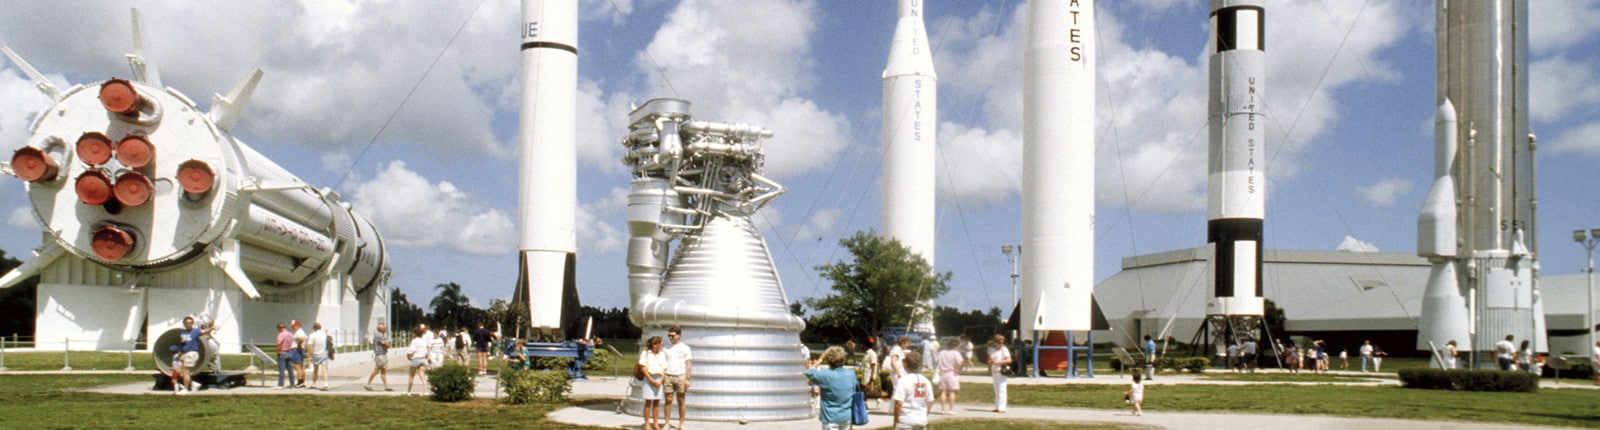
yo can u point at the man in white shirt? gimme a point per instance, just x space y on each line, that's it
1505 351
912 394
321 348
300 344
678 371
1366 354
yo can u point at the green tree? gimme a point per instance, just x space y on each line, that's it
451 307
17 310
885 285
406 314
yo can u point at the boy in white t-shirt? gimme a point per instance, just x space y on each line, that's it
911 395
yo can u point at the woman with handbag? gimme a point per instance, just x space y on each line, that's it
838 386
653 366
999 361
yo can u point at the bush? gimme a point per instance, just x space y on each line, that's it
452 382
1578 371
1470 380
601 360
1191 364
534 386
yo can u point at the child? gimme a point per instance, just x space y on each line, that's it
912 394
1135 395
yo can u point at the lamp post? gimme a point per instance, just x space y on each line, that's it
1012 252
1588 239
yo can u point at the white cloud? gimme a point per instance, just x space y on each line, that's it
750 62
616 11
20 101
968 161
1558 85
822 224
1351 244
1558 25
22 217
1579 139
595 236
1385 192
413 211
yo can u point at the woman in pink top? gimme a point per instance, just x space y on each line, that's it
950 362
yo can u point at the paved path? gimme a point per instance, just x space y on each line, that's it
600 395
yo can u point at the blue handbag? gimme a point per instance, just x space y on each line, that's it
858 408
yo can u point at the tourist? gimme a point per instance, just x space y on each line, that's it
300 353
380 357
1248 354
679 369
321 346
1505 352
1366 354
912 394
654 363
518 358
966 348
1291 358
1450 354
1135 395
285 355
837 383
418 354
869 378
188 356
1233 357
999 359
1149 357
436 345
949 366
1377 358
1344 359
1525 357
481 338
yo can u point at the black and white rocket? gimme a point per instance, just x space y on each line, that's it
910 123
547 163
1236 197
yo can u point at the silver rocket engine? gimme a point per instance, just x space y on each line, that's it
151 209
697 183
1482 71
1236 197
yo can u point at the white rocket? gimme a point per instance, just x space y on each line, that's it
1444 305
1482 69
548 198
1058 166
910 120
1236 197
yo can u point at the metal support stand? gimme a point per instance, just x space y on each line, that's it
1072 366
66 354
130 358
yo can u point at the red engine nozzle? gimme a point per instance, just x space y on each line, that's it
111 243
135 151
94 148
33 165
93 187
118 96
133 189
196 177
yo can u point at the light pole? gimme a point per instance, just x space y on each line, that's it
1012 252
1588 239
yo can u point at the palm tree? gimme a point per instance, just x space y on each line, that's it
450 306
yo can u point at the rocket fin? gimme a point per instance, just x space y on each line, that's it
143 70
225 110
41 259
39 81
227 257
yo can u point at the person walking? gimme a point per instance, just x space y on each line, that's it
837 384
966 348
654 363
1505 352
481 338
869 378
321 346
380 357
949 362
912 394
1366 354
300 353
418 354
679 370
1450 354
285 355
1525 357
999 360
1135 395
1149 357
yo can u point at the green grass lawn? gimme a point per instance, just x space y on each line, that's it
98 360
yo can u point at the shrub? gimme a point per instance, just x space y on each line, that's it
534 386
1578 371
1470 380
452 382
1191 364
600 360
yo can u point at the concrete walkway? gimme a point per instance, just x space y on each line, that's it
601 395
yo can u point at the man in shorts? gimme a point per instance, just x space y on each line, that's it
299 353
481 338
321 347
188 357
380 357
678 370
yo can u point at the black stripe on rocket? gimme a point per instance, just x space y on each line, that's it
1229 28
1223 234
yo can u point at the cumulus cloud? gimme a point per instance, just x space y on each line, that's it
1151 130
1351 244
413 211
821 224
751 62
1385 192
1558 85
1578 139
1556 26
22 217
20 101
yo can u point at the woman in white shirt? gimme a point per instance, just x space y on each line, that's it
999 359
418 354
654 363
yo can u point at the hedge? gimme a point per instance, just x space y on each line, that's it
1470 380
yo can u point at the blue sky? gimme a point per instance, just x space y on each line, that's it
1349 92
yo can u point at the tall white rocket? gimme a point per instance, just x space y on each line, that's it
910 120
1058 166
1236 195
548 166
